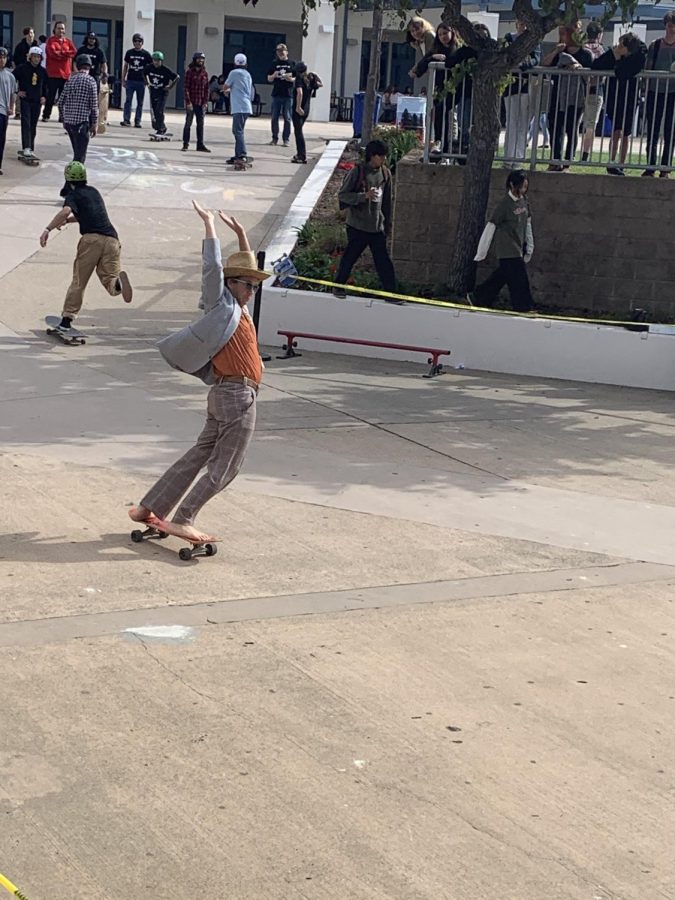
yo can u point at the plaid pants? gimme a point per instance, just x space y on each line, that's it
221 447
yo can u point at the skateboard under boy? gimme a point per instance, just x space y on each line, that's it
72 336
28 160
240 164
160 529
161 137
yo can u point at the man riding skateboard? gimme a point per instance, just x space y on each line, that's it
221 349
98 248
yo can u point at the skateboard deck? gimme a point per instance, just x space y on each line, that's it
240 165
28 160
160 528
161 137
72 337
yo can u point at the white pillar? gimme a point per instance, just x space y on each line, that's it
317 53
139 16
62 11
205 32
39 23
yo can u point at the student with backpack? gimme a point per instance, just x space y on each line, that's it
366 195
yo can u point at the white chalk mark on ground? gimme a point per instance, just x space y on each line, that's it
162 632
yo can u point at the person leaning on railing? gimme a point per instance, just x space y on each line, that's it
517 103
661 97
444 50
627 59
567 95
595 91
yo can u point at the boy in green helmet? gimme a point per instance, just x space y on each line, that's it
98 248
160 79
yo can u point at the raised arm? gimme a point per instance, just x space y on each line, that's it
238 229
212 262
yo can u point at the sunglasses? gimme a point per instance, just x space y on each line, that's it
249 285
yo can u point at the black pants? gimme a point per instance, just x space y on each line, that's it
158 102
79 139
441 119
54 88
195 112
513 273
3 135
660 108
357 241
30 113
298 125
564 122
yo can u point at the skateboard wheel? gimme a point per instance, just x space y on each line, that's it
211 549
185 553
137 536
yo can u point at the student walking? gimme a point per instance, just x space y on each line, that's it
7 92
78 106
60 52
196 92
366 194
301 99
221 349
136 61
281 76
510 226
160 79
98 247
31 80
239 85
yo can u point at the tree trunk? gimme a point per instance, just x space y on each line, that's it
370 100
476 189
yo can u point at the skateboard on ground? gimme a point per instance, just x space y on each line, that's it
72 336
28 160
240 164
161 137
160 529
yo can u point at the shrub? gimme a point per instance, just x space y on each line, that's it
398 142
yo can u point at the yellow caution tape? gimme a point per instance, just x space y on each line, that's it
12 888
447 304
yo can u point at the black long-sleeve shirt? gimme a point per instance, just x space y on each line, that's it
31 79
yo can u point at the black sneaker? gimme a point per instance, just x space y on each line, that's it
273 142
184 148
65 323
203 149
615 170
123 123
137 125
340 293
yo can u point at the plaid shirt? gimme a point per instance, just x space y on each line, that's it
78 102
196 86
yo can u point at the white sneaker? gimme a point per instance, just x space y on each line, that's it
28 154
436 147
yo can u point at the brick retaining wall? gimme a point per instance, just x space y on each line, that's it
601 242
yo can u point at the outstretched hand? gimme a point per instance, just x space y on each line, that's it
231 222
206 215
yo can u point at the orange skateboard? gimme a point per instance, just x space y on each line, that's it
160 528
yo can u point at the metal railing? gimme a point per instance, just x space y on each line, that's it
583 117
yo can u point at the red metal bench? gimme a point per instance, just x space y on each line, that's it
436 368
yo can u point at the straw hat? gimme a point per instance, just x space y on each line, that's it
243 265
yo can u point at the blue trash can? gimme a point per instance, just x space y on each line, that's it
357 117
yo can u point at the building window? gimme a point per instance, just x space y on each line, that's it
100 27
6 27
259 47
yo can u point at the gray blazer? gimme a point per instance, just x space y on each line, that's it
192 348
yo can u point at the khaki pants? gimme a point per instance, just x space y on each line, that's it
94 251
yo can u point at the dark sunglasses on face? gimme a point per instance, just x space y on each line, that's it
247 284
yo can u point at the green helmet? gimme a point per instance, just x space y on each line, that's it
75 171
158 55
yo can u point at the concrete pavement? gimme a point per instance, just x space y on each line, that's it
432 658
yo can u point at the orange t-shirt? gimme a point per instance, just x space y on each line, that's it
240 355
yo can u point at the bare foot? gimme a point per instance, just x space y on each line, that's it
189 532
139 514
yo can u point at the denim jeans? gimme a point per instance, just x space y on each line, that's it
195 112
238 125
136 88
281 106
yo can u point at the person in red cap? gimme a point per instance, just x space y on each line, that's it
61 52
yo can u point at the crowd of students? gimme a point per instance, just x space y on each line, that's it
565 107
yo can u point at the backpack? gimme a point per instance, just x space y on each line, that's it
361 182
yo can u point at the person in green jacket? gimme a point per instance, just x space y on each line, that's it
366 195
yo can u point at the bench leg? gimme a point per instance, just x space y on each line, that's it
289 346
435 368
